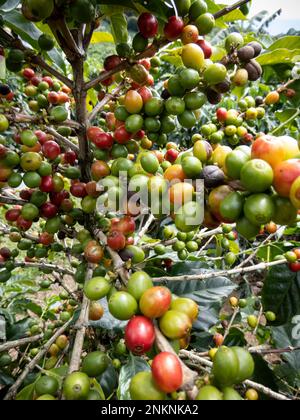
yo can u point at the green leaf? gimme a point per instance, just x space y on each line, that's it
209 294
234 16
7 315
119 28
97 387
36 309
15 20
286 114
235 338
201 341
281 55
109 381
26 394
134 366
289 42
175 60
112 4
19 329
159 7
289 336
270 252
281 294
30 33
218 53
108 322
10 5
57 59
6 380
99 37
264 375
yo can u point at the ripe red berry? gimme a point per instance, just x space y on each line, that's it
26 194
295 267
139 335
219 340
46 239
48 80
36 80
5 253
12 215
145 93
70 157
48 210
173 29
206 48
146 63
28 73
171 155
112 62
23 224
42 137
51 149
148 25
104 141
108 81
121 135
167 372
222 114
47 184
58 198
78 190
116 241
53 98
248 137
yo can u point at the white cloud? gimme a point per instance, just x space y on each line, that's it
290 8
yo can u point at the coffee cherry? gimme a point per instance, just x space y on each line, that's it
234 302
272 98
173 29
252 321
148 25
245 54
252 395
270 316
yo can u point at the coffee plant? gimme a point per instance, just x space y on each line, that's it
150 197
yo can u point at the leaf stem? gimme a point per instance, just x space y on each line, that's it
286 122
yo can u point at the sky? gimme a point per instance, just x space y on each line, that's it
290 17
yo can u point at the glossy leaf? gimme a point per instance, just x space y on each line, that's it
134 366
281 55
281 294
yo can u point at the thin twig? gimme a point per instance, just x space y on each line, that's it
264 351
118 263
41 265
29 368
230 9
36 59
21 342
60 280
233 272
152 50
254 253
12 201
108 97
80 326
62 140
144 229
261 388
234 315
